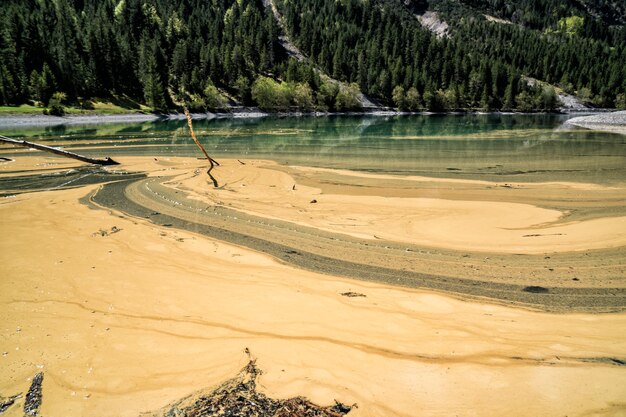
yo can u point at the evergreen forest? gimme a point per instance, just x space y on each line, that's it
220 54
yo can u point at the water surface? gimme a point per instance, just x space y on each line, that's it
490 147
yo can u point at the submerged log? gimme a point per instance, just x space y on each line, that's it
105 161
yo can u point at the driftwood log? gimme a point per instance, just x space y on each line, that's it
105 161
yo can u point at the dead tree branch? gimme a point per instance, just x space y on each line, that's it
212 161
106 161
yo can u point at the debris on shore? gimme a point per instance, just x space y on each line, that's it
238 397
5 403
32 402
352 294
33 397
104 233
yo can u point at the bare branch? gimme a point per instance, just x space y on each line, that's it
106 161
212 161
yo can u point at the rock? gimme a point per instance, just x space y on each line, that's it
536 289
5 403
34 396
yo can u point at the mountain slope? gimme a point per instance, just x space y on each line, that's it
286 55
478 64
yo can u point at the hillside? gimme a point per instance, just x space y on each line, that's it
224 53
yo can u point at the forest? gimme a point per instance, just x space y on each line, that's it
215 54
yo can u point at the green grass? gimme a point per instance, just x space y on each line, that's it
115 106
24 109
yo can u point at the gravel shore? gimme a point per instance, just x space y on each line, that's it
44 120
614 122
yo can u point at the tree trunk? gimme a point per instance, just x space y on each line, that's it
105 161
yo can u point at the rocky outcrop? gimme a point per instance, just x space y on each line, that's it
432 21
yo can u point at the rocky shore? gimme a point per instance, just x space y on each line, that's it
613 122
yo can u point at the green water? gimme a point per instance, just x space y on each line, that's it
489 147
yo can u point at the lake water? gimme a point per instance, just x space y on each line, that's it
515 148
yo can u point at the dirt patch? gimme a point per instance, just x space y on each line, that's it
353 294
535 289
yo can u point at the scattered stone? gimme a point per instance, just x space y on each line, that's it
313 201
105 233
535 289
34 396
352 294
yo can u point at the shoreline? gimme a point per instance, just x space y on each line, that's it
383 259
610 122
522 266
124 316
41 120
549 299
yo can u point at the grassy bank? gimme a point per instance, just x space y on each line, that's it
96 107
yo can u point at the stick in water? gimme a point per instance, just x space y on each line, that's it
105 161
212 161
